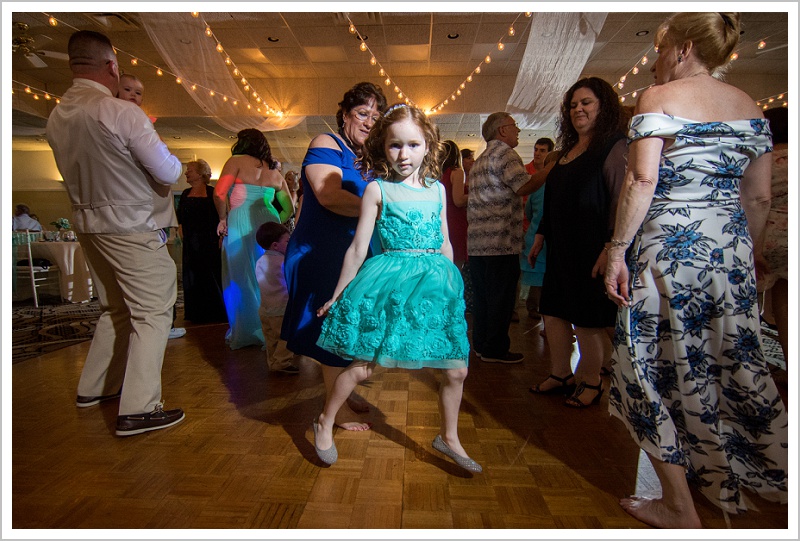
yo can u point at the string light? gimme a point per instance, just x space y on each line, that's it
134 61
762 44
195 14
52 21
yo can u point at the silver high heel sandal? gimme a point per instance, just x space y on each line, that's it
464 461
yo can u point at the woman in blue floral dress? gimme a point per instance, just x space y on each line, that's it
689 377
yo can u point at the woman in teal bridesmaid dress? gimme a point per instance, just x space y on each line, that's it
243 198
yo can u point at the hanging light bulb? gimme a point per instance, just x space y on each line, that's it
634 94
382 72
511 31
249 106
225 98
458 92
255 94
462 86
258 99
194 87
644 60
219 47
388 81
36 96
178 80
52 21
446 102
352 29
635 70
765 107
396 88
363 46
28 90
622 79
195 14
246 88
621 86
621 99
527 13
488 60
244 81
236 102
236 72
780 97
47 96
469 78
400 95
373 61
771 100
734 56
500 46
58 100
209 33
134 61
228 60
211 93
478 69
762 44
159 72
453 97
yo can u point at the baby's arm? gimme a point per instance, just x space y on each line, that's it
357 252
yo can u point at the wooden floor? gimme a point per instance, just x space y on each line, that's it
243 457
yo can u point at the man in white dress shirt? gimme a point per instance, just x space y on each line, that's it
117 171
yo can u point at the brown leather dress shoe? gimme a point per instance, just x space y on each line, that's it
129 425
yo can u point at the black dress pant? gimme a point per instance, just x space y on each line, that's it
494 283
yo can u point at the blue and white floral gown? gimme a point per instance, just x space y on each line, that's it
689 377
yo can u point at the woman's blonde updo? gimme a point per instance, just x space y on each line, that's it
713 35
203 169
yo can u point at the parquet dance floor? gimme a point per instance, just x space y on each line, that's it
244 458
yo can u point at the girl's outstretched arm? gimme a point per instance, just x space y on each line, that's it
357 252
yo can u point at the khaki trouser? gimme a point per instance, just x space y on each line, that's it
136 283
278 356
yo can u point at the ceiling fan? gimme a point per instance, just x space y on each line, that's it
29 47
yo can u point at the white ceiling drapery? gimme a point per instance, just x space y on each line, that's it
191 55
559 45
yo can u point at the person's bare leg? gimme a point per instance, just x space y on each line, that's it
346 418
559 341
780 312
343 385
450 392
675 508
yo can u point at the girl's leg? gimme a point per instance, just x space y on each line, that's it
346 418
675 508
450 391
344 384
559 341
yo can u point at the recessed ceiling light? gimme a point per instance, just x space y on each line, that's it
471 135
641 33
185 41
273 39
176 136
453 35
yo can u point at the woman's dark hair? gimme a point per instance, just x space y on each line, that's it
466 153
360 94
253 143
778 124
452 156
607 123
270 232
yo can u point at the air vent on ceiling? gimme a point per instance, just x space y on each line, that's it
116 22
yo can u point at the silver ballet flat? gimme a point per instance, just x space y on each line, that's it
328 456
464 461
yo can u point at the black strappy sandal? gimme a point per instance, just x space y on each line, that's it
564 387
573 401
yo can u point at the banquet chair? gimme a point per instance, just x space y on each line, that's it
37 274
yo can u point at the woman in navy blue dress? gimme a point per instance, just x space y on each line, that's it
332 189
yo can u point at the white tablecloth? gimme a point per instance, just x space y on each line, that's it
76 282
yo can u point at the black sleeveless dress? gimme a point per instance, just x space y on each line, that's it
574 222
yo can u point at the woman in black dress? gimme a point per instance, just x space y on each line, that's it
202 263
577 222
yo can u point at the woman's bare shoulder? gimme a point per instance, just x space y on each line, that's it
324 140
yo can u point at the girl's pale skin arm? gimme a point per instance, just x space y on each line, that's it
447 248
326 181
460 197
226 179
357 252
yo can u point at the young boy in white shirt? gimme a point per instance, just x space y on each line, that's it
273 238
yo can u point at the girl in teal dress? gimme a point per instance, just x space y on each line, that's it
405 307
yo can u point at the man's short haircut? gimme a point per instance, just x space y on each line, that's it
493 122
545 141
89 48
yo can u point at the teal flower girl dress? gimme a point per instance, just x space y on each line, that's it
405 307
